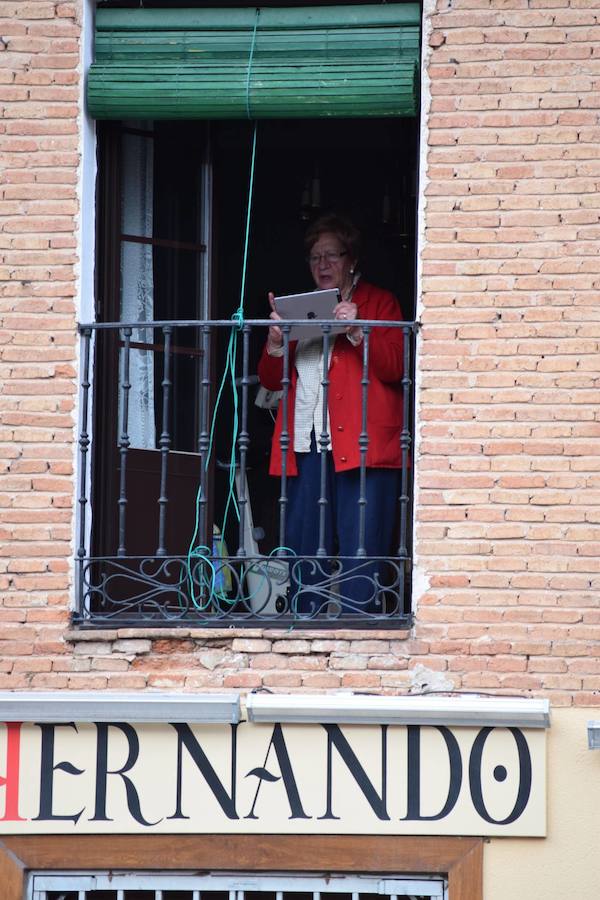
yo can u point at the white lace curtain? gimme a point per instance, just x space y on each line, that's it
137 284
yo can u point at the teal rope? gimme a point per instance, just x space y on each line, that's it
238 319
202 553
238 315
249 69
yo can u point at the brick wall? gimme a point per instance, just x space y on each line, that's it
507 467
39 156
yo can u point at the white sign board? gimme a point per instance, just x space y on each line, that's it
100 778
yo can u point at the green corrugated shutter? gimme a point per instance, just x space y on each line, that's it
231 63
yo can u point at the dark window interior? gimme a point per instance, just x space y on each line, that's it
365 168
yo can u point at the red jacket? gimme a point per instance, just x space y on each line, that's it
384 405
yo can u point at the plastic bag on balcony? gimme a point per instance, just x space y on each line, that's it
223 584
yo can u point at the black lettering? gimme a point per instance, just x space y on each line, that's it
186 738
377 802
277 742
47 770
102 773
524 789
414 774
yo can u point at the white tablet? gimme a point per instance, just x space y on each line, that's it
311 306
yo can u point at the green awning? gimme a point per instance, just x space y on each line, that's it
348 61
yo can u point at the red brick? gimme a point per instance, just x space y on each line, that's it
322 681
362 680
242 680
282 679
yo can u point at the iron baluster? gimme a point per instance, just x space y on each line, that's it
284 438
204 439
405 442
243 440
84 443
164 442
124 439
203 452
324 442
363 444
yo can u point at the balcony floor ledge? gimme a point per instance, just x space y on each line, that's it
89 633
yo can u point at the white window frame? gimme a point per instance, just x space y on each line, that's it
235 884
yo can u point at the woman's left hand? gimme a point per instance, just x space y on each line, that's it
347 310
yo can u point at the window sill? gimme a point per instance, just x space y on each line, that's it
108 635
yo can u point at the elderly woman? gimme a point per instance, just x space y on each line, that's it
332 248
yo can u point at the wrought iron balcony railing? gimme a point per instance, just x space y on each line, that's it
173 451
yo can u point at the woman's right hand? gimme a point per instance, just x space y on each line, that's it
275 338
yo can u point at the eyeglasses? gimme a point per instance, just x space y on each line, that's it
329 257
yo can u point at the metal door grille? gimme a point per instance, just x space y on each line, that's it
150 886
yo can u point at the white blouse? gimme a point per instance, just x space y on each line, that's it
308 412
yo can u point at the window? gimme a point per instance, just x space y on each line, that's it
149 886
179 519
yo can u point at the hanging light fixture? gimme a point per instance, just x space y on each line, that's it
305 202
315 190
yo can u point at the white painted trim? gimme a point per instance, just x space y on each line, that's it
420 581
425 94
86 250
493 712
88 169
240 883
106 706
